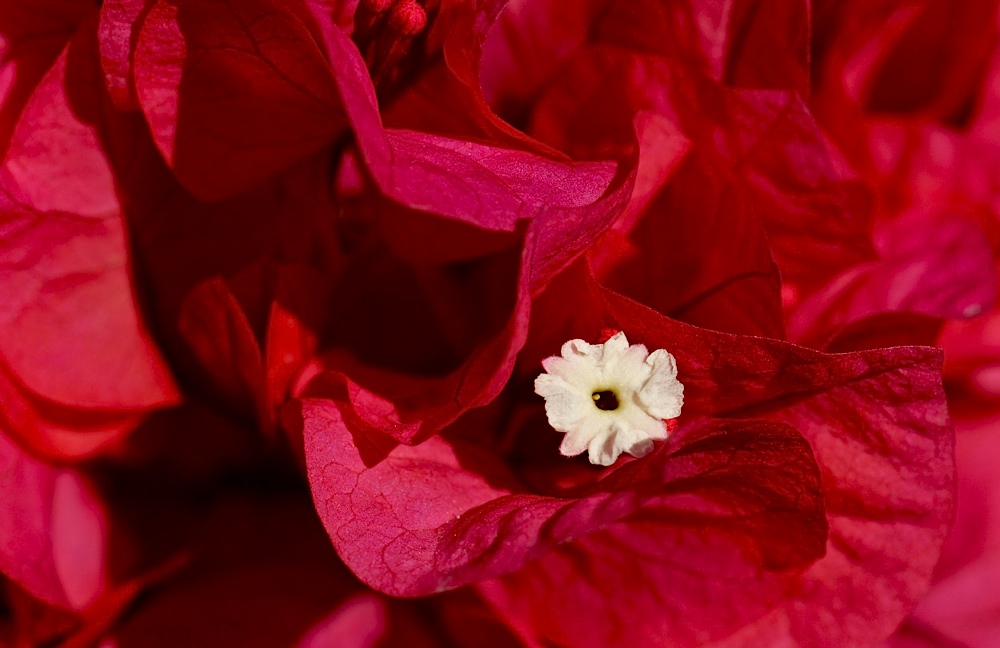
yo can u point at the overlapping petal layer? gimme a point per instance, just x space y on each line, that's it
391 213
67 366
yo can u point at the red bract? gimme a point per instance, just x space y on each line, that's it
961 604
700 254
64 553
240 554
769 46
73 376
442 514
233 92
355 230
248 557
553 208
33 37
240 287
910 95
53 530
566 204
933 267
757 148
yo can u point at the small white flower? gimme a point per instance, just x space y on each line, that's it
610 398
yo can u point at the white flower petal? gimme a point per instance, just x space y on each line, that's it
579 440
564 406
580 375
602 450
640 448
613 349
662 395
633 441
651 428
579 348
628 369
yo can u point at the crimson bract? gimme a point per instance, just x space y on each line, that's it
279 276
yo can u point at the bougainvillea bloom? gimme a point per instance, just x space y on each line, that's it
286 288
610 398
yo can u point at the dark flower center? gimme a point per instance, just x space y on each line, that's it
605 400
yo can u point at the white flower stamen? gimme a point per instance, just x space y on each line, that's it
610 398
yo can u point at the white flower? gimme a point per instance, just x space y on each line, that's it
610 398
